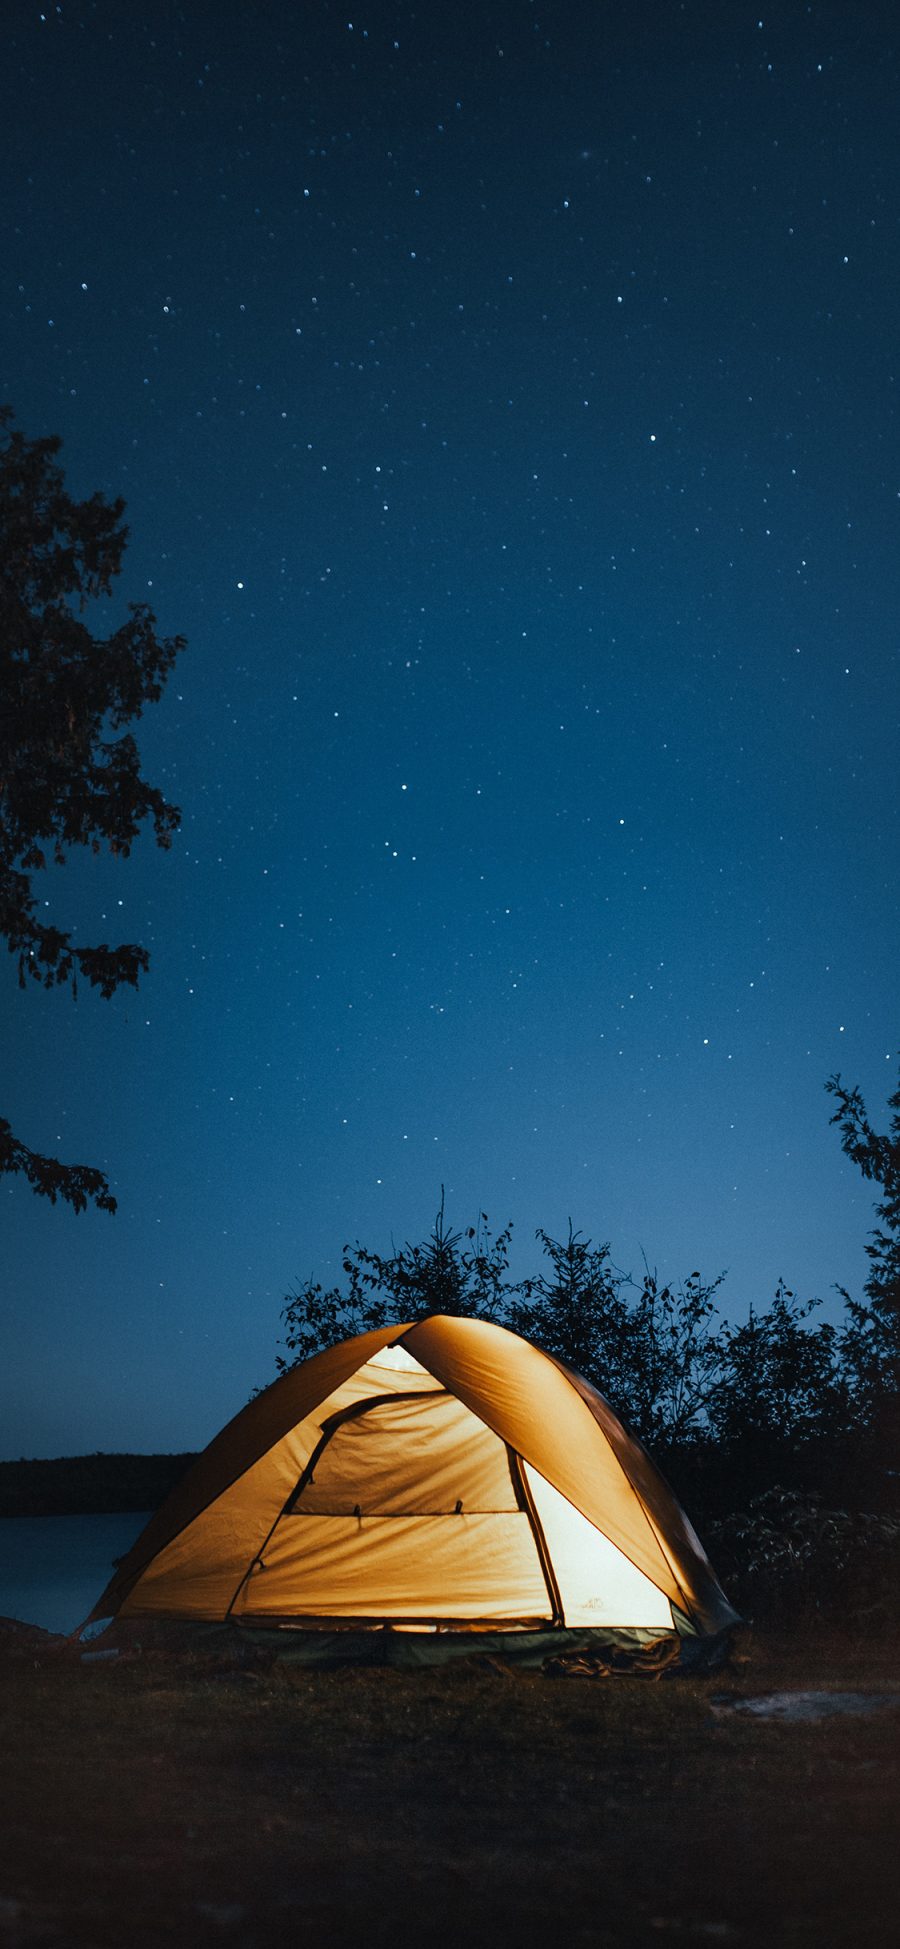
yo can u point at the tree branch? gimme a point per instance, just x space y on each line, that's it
74 1183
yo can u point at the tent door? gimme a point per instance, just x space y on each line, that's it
411 1509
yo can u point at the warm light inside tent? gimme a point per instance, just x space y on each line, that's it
597 1584
479 1487
396 1360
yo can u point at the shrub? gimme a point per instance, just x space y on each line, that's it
787 1555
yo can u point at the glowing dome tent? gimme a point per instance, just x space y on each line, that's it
445 1476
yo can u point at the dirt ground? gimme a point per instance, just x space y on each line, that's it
161 1801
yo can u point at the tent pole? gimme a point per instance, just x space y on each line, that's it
527 1503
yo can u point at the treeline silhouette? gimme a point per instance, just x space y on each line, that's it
726 1409
88 1485
780 1432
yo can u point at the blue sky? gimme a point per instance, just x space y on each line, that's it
506 413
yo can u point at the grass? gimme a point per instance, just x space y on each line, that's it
183 1802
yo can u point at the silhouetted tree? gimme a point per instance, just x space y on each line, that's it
575 1310
67 778
447 1273
653 1353
878 1158
872 1333
728 1409
650 1349
781 1382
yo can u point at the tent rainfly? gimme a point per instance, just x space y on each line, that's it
437 1478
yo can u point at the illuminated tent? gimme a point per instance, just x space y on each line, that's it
437 1478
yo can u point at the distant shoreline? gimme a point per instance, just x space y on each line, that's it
88 1485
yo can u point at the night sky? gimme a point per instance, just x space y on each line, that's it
505 402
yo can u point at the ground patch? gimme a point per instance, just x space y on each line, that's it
164 1801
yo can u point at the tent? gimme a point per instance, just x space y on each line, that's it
430 1480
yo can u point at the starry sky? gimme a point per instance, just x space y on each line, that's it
505 402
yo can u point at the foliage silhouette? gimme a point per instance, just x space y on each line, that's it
728 1409
67 779
874 1329
789 1554
653 1346
878 1157
778 1431
446 1273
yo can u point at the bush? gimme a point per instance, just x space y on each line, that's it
788 1556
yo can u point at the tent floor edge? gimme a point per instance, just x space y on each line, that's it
558 1650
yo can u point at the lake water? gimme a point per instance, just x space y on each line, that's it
53 1568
